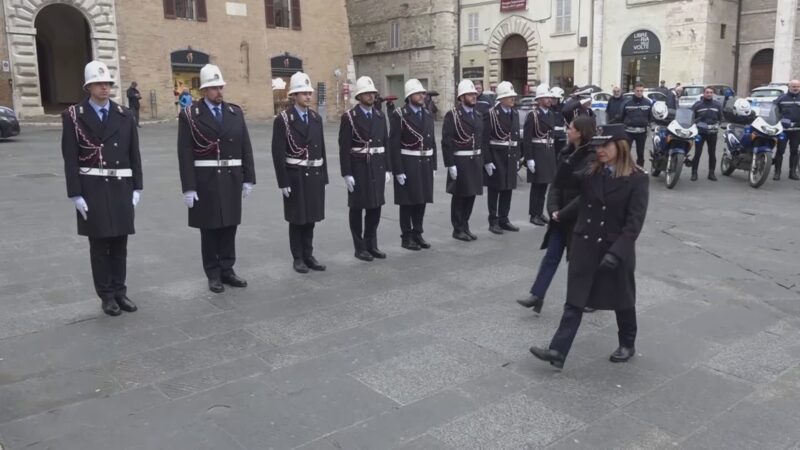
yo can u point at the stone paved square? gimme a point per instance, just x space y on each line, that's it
424 350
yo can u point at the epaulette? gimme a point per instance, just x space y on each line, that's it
378 112
233 107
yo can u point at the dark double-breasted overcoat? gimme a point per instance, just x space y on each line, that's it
219 189
611 214
293 140
357 136
109 198
463 132
537 145
410 132
502 145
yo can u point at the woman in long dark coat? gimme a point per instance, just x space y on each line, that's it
613 206
562 206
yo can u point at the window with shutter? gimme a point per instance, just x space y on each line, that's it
200 6
169 9
295 14
269 9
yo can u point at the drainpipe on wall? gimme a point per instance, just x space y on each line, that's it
457 55
597 42
737 46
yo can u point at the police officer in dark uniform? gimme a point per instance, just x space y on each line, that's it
484 101
707 116
365 168
537 147
103 170
501 144
298 153
560 130
412 146
636 117
789 108
462 133
217 172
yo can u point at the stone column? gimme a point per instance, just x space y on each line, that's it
597 43
784 40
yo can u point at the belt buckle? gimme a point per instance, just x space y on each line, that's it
224 163
111 172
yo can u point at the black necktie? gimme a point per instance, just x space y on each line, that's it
419 115
104 113
218 114
369 115
305 118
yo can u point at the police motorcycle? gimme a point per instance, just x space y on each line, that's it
673 138
750 139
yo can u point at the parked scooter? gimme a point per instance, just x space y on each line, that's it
750 139
672 143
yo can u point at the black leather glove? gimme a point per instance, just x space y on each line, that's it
610 262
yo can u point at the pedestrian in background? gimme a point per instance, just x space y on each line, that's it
134 97
562 205
614 106
611 213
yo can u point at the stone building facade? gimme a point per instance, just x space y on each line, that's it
396 41
162 44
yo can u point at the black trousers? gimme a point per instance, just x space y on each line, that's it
711 141
538 194
499 205
411 217
793 141
218 246
136 115
571 320
301 240
460 211
109 266
364 228
639 139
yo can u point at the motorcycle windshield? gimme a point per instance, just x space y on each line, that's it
769 112
684 117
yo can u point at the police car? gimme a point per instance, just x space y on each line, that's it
767 94
600 100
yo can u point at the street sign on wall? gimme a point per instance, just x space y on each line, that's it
513 5
642 42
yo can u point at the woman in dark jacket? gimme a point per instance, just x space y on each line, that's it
562 206
613 206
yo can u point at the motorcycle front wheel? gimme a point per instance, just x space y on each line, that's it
674 167
759 169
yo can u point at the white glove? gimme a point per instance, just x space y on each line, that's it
80 205
388 177
137 195
453 171
489 168
532 165
189 197
350 182
247 189
286 191
401 179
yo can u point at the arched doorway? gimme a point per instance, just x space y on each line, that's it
63 47
283 67
641 60
761 68
186 65
514 57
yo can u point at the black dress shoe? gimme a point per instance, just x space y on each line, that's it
111 307
300 266
694 176
126 304
622 354
508 226
377 253
410 245
234 280
712 177
461 236
495 229
364 255
216 286
793 175
553 357
537 220
471 235
777 176
421 242
587 309
532 302
544 218
313 264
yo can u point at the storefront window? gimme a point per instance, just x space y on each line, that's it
641 60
